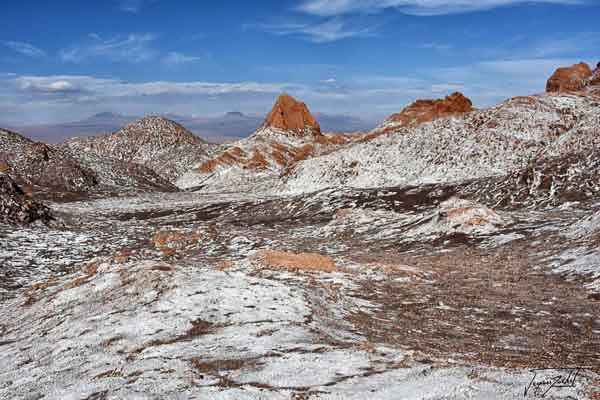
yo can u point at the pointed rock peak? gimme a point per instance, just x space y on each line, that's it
569 79
290 115
427 110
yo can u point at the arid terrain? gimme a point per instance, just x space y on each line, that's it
450 253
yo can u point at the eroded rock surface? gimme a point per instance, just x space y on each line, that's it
289 135
482 143
422 111
290 115
41 168
569 79
16 207
163 145
336 294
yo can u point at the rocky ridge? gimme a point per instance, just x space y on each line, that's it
157 143
482 143
42 168
422 111
289 135
60 172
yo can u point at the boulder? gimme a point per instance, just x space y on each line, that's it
569 79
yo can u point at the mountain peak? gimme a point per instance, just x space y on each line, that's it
107 114
234 114
291 115
157 128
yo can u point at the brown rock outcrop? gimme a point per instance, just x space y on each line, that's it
422 111
292 116
427 110
308 262
569 79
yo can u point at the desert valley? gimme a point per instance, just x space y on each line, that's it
444 254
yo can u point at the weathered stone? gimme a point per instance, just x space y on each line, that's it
292 116
16 207
569 79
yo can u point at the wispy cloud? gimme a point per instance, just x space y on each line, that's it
43 98
25 49
439 47
175 58
104 88
57 85
414 7
133 6
56 98
327 31
130 5
552 46
134 48
573 44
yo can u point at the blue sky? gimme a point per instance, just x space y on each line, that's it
66 60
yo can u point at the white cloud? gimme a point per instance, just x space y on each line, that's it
89 87
133 48
60 98
174 58
327 31
132 6
67 97
414 7
54 86
25 49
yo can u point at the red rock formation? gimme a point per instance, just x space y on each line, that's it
427 110
264 151
292 116
422 111
569 79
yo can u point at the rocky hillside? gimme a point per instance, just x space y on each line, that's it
482 143
58 172
289 134
42 168
160 144
422 111
17 208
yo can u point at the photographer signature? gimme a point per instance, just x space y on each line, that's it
547 379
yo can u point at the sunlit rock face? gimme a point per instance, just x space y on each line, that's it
569 79
289 135
292 116
162 145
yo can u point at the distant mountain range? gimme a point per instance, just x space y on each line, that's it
228 127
